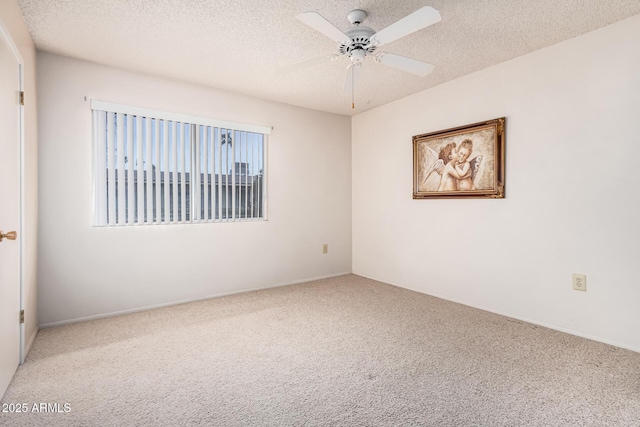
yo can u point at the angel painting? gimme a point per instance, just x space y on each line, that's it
460 162
453 165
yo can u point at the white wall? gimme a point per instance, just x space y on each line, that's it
11 17
86 271
572 205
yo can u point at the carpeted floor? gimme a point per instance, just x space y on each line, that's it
347 351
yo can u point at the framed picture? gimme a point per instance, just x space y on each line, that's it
467 161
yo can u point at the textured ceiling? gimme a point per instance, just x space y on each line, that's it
238 45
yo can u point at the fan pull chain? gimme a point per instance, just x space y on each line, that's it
353 87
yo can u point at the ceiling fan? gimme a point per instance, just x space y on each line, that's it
360 41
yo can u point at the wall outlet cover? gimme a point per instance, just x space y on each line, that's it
580 282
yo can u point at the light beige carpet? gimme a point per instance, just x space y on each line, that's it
347 351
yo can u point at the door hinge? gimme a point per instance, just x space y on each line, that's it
21 316
21 97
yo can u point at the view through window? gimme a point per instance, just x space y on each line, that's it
161 168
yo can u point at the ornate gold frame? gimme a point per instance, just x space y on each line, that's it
485 176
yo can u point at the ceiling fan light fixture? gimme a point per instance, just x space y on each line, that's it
357 55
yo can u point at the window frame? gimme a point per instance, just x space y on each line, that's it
195 124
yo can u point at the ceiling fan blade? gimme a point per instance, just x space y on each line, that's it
306 64
403 63
351 79
323 26
415 21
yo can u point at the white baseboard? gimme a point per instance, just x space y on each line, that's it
30 342
312 279
27 347
168 304
523 319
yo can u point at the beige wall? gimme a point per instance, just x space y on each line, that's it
11 17
572 202
86 272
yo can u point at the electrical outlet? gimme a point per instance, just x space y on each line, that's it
580 282
325 248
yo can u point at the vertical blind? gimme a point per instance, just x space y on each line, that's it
153 167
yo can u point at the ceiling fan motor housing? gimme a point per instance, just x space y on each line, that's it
358 45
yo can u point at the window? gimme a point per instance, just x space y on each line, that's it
153 167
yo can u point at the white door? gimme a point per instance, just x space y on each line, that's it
9 213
